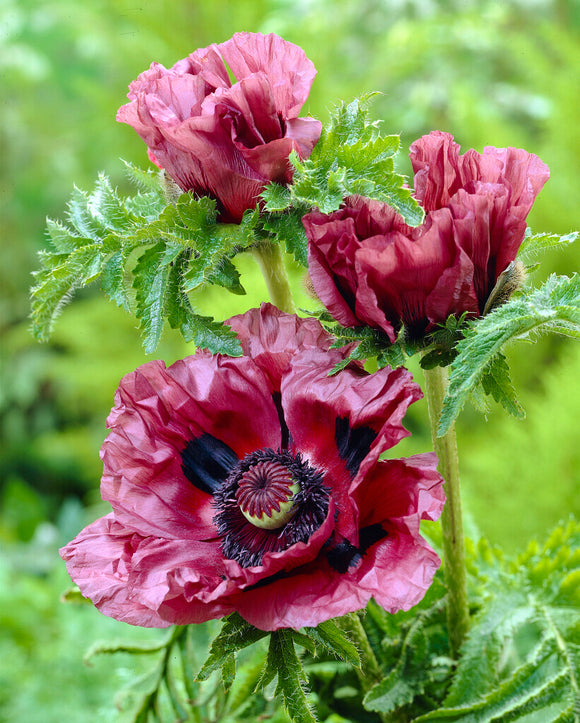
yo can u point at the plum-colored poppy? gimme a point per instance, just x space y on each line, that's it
226 138
254 485
369 268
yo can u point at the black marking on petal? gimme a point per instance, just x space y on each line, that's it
206 462
285 432
353 443
344 555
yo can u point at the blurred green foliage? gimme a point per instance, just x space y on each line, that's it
492 72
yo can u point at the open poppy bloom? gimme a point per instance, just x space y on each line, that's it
369 268
254 484
226 138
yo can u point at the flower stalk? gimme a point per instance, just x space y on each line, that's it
436 381
271 263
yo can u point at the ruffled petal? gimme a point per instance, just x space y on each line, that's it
99 561
342 423
271 338
157 412
289 71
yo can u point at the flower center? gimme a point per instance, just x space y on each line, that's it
266 495
269 501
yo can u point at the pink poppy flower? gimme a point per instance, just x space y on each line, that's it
222 138
254 485
369 268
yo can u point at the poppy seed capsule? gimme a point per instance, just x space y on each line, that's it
266 495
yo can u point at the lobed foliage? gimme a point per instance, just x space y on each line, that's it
520 662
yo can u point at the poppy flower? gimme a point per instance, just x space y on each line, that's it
221 137
369 268
256 484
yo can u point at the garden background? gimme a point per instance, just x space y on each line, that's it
495 72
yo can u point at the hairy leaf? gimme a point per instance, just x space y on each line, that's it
235 634
161 250
522 654
351 157
555 306
283 662
332 639
535 244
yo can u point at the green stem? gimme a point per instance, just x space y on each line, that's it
271 264
451 519
369 673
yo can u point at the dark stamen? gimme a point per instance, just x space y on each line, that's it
246 542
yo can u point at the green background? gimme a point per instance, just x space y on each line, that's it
492 73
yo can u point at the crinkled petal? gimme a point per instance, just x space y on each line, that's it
289 71
99 562
406 490
397 571
157 412
342 423
271 337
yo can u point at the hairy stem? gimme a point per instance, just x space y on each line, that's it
451 519
271 264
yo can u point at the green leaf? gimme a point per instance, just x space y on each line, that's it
215 336
287 228
150 282
282 660
276 197
522 654
496 382
62 274
110 648
534 244
144 179
74 595
179 246
235 634
407 679
351 157
555 307
330 637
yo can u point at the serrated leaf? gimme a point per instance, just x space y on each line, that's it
105 235
555 304
330 637
496 679
235 634
144 179
407 679
496 382
113 278
62 274
110 648
276 197
215 336
287 227
351 157
283 660
534 244
151 275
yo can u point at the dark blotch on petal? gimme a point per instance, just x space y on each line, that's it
353 444
206 462
285 432
343 556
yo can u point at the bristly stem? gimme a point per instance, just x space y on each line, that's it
271 263
436 381
370 673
